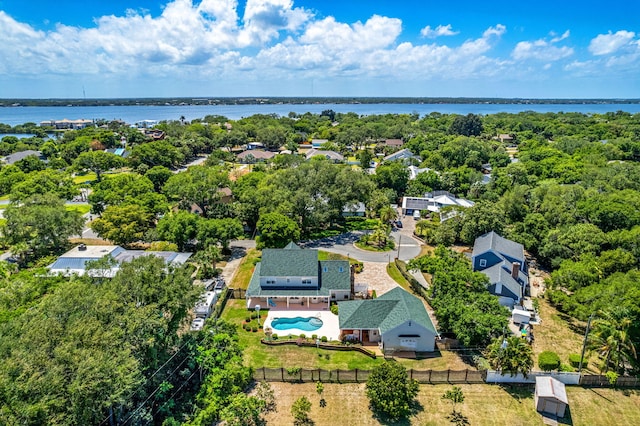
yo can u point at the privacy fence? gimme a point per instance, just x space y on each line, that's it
301 375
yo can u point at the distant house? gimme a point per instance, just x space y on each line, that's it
395 143
503 261
336 157
293 276
433 202
226 197
415 171
255 155
356 209
17 156
74 261
397 321
317 143
66 124
506 138
403 154
120 152
255 145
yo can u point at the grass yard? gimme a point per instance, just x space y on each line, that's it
483 405
87 177
560 334
81 208
258 355
245 270
397 276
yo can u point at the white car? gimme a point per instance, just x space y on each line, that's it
197 324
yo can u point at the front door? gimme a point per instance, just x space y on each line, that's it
365 336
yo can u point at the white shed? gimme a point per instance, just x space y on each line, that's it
550 396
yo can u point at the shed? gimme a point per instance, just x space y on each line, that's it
550 396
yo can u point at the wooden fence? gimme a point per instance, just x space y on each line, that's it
602 381
361 376
328 346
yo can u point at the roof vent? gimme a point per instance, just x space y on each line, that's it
82 247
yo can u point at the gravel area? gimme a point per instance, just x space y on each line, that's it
375 275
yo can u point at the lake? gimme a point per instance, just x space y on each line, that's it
133 113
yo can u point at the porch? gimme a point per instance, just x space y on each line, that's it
299 303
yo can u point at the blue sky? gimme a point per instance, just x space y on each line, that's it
208 48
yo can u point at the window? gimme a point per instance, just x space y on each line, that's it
306 281
341 269
483 263
271 281
288 280
325 269
346 296
333 296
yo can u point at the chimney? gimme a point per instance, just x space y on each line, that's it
515 269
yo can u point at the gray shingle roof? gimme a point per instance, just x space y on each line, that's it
17 156
290 261
386 312
493 241
501 273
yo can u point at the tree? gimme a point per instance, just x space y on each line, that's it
276 230
158 175
158 153
469 125
41 223
206 261
510 355
243 410
390 391
364 157
456 396
98 162
483 217
393 175
43 182
200 186
123 224
300 411
320 391
612 339
218 231
179 227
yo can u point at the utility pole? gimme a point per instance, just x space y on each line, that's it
584 343
399 244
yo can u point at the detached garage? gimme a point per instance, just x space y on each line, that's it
550 396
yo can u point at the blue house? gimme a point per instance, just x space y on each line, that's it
503 261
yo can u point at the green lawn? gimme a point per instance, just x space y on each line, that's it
81 208
394 273
88 177
243 275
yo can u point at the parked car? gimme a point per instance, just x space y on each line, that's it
197 324
219 284
399 224
416 215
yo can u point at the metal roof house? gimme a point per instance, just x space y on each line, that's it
75 260
433 202
550 396
503 261
396 321
294 277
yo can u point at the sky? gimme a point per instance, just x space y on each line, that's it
235 48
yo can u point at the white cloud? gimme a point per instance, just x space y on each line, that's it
440 30
605 44
542 49
498 30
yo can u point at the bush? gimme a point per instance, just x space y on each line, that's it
254 329
334 309
274 336
247 319
566 368
548 361
314 336
303 336
390 391
324 339
574 360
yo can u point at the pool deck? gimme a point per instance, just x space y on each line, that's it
330 327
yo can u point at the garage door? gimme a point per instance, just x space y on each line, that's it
409 343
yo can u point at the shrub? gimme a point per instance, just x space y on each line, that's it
274 336
314 336
303 336
334 309
324 339
292 371
254 329
574 360
548 361
247 319
566 368
391 393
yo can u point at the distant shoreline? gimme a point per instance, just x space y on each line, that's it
189 101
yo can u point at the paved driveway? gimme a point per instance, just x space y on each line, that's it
406 247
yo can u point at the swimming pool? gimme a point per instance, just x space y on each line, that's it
299 323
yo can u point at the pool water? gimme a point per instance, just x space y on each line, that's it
299 323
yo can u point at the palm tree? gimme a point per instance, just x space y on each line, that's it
511 355
612 341
387 214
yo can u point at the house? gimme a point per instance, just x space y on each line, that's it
17 156
396 321
415 171
550 396
293 277
65 124
254 155
403 154
433 202
503 261
505 138
355 209
74 261
336 157
395 143
255 145
317 143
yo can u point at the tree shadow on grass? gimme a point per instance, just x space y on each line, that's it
519 392
416 407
